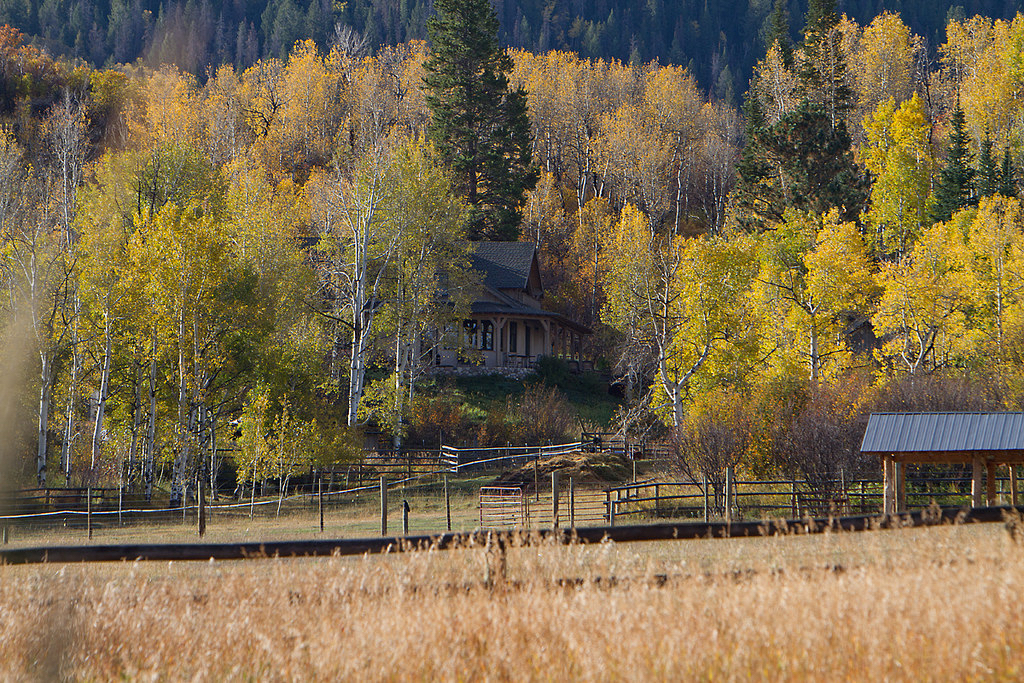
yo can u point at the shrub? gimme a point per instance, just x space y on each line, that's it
437 420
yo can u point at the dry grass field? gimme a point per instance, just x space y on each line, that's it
916 604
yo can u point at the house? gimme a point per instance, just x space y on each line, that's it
507 328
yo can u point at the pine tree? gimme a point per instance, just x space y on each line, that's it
823 71
1007 176
956 180
988 172
479 126
756 199
778 32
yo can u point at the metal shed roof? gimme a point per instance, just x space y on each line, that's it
943 432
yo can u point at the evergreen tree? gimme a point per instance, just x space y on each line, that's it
778 32
479 126
1007 179
956 180
988 172
823 71
804 160
756 199
801 161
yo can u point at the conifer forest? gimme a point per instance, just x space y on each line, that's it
229 226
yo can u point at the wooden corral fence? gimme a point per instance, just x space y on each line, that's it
501 457
402 463
631 449
99 499
756 499
392 464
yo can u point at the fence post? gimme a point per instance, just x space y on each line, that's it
796 509
405 517
120 494
572 504
554 499
447 504
5 535
728 494
845 496
88 511
609 508
706 511
536 479
657 499
383 506
320 500
184 503
202 507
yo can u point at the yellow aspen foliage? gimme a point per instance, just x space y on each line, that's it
679 300
223 119
815 274
922 313
899 154
985 59
882 64
172 110
776 86
996 276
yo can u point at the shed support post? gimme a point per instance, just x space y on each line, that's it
1013 485
976 484
990 483
888 486
900 469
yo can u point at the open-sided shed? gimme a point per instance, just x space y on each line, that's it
984 440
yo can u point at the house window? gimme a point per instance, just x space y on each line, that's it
487 337
513 337
469 328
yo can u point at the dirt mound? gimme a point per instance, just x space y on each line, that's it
583 467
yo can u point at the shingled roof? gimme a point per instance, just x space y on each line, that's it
893 433
505 265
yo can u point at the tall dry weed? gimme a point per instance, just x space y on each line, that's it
937 604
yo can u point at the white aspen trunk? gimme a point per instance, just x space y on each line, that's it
45 383
69 425
814 352
149 466
181 455
213 454
399 377
101 404
999 306
133 447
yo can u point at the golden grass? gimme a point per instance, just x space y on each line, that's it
921 604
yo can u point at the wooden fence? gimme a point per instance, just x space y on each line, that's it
756 499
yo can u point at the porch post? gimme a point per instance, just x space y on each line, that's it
976 483
990 483
887 485
547 338
1013 485
901 487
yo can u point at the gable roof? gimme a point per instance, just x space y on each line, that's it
505 265
943 432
